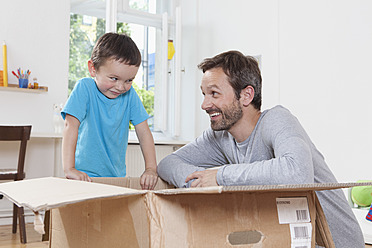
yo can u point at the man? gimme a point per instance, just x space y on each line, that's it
251 147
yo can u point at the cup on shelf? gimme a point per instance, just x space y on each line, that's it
23 82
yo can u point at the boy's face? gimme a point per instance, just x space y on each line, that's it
113 77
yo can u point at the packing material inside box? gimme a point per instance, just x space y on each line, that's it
100 215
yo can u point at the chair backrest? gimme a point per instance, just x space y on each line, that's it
17 133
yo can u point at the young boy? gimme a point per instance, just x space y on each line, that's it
98 112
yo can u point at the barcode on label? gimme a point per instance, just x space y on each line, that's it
301 235
293 210
301 232
301 215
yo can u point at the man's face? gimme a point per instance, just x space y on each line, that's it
219 100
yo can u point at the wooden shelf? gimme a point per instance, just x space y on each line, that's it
14 87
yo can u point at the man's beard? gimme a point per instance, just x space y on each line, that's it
229 116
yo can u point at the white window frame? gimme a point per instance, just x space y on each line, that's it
119 10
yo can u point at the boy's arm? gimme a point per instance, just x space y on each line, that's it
149 177
70 135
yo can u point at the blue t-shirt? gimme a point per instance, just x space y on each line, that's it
104 127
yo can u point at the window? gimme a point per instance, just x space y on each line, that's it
144 83
145 22
148 6
83 36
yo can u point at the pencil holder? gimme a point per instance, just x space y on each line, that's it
23 82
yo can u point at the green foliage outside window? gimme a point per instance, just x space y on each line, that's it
147 98
82 40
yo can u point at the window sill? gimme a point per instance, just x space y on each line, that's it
159 139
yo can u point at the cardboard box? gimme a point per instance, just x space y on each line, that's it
100 215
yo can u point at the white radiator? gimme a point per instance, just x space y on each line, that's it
134 158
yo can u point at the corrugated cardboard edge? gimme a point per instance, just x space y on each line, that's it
293 187
262 188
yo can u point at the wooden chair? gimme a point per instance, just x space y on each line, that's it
22 134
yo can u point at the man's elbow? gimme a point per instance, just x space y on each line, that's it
303 176
163 166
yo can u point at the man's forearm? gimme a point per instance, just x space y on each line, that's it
175 171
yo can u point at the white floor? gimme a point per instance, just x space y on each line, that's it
366 225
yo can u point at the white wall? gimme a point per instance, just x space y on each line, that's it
210 28
325 78
316 61
37 37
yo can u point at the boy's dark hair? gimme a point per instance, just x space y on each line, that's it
241 71
119 47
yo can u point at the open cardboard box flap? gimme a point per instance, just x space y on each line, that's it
113 211
51 192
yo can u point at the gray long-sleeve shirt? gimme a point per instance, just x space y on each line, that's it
277 152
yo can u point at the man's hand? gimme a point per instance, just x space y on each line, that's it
75 174
203 178
149 179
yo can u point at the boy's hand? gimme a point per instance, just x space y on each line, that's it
149 179
77 175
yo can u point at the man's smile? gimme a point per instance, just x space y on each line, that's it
214 113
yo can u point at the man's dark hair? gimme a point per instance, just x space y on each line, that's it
119 47
241 71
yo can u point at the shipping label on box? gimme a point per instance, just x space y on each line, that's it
295 212
292 210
